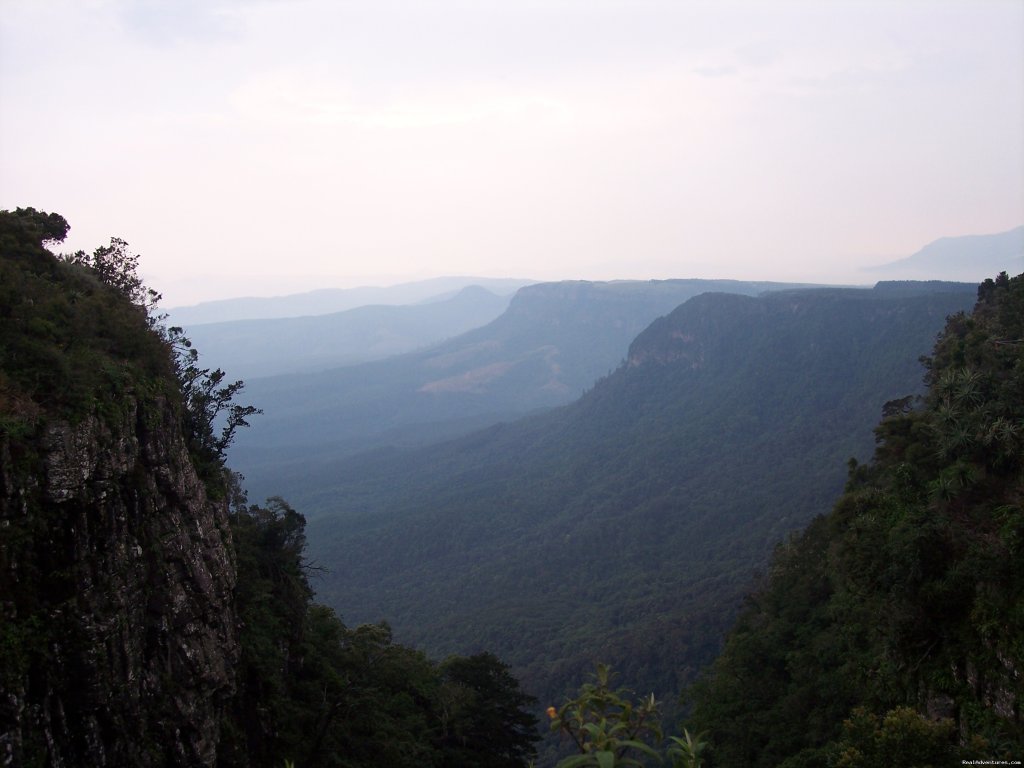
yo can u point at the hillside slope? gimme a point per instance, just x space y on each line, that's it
967 257
892 630
553 341
253 348
330 300
625 527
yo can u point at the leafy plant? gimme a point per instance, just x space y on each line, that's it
687 751
607 726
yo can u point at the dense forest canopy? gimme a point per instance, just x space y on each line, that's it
323 694
898 618
626 528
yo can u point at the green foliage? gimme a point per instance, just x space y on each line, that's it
901 738
485 722
322 694
627 526
70 344
80 333
686 751
116 266
905 599
209 404
607 727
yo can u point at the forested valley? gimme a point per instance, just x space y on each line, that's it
626 527
646 574
891 631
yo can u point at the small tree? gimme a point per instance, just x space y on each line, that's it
607 727
211 415
115 265
686 751
207 397
901 738
611 730
483 714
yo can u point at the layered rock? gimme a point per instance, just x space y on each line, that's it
119 637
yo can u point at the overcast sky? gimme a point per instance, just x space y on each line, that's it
262 147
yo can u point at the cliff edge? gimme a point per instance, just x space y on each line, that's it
117 630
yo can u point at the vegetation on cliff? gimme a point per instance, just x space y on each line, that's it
317 692
80 334
70 342
891 631
117 624
150 615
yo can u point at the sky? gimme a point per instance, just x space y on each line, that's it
261 147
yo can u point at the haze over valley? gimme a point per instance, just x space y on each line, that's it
511 385
603 430
578 475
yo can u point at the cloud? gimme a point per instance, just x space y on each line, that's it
299 98
558 138
726 70
162 23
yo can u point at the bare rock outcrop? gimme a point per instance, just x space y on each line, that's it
116 582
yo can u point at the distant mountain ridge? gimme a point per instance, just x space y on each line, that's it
553 341
252 348
967 257
329 300
626 526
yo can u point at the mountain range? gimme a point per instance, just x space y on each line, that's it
152 616
626 526
266 347
329 300
553 341
966 257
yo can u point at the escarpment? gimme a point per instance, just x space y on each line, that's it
118 637
117 587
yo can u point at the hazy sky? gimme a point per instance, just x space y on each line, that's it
258 147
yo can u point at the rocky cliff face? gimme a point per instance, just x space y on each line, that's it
116 581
